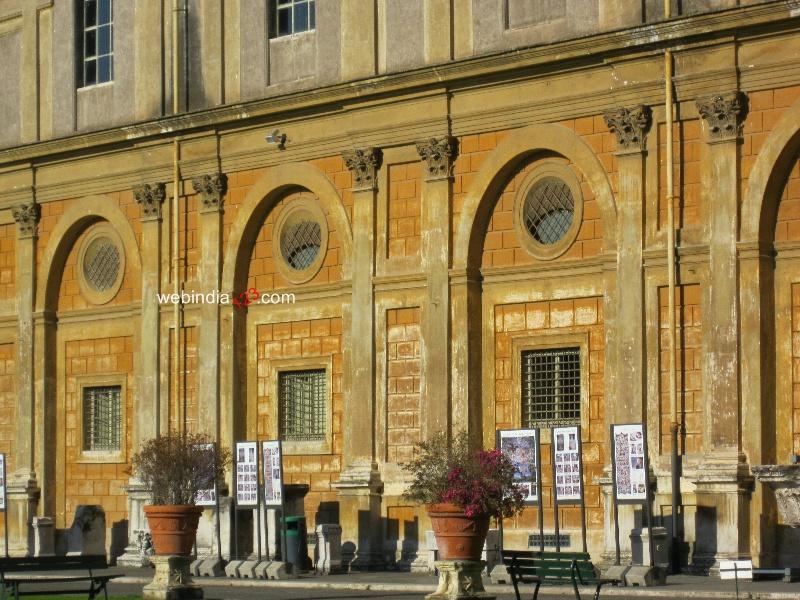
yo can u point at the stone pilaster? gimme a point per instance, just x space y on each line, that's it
723 484
630 127
438 155
359 486
212 189
465 351
22 489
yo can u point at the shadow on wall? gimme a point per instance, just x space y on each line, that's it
119 540
705 548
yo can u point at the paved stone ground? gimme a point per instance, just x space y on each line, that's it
408 586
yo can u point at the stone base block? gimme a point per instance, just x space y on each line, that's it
232 568
617 572
645 576
460 580
172 580
280 570
194 568
247 570
261 569
211 566
500 574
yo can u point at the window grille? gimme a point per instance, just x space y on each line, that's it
534 541
551 387
101 264
97 40
549 209
102 418
294 16
300 243
302 405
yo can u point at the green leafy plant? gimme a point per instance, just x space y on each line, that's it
480 481
175 466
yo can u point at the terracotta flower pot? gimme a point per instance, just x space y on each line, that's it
173 528
458 536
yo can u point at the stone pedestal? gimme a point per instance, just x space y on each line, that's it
44 541
460 579
329 549
360 514
172 580
87 535
137 552
784 480
22 496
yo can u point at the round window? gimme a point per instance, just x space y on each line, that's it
101 264
548 209
300 238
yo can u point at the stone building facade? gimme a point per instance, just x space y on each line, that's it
463 185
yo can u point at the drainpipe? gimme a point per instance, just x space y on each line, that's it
673 391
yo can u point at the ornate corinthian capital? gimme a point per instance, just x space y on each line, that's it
150 197
438 153
630 126
27 218
364 164
211 188
724 114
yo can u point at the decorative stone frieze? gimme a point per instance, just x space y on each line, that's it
630 126
364 164
150 197
211 188
27 218
439 154
724 114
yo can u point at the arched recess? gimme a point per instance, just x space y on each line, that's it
261 198
84 212
500 165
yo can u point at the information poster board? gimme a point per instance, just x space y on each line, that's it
521 446
567 464
207 494
273 472
246 474
630 462
2 481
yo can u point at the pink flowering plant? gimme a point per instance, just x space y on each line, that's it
480 481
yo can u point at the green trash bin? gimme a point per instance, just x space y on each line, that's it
296 550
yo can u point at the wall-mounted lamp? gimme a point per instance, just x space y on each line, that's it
277 138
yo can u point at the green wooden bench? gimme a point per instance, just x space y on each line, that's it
41 572
553 568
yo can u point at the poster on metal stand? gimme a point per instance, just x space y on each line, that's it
273 483
629 473
3 499
208 495
274 496
521 446
246 483
567 454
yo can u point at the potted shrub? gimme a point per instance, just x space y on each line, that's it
462 489
174 467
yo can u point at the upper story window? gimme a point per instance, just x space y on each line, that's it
97 41
551 387
294 16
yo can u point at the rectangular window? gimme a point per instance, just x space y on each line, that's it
294 16
302 397
97 41
102 418
551 387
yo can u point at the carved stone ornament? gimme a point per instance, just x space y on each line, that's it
724 115
27 218
630 126
150 197
364 164
438 153
211 189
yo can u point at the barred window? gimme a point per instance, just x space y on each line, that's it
294 16
102 418
551 387
96 41
301 397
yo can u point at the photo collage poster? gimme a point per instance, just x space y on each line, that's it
520 446
567 463
207 494
273 477
246 474
2 481
629 462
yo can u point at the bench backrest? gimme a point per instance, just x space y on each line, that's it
52 563
548 565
